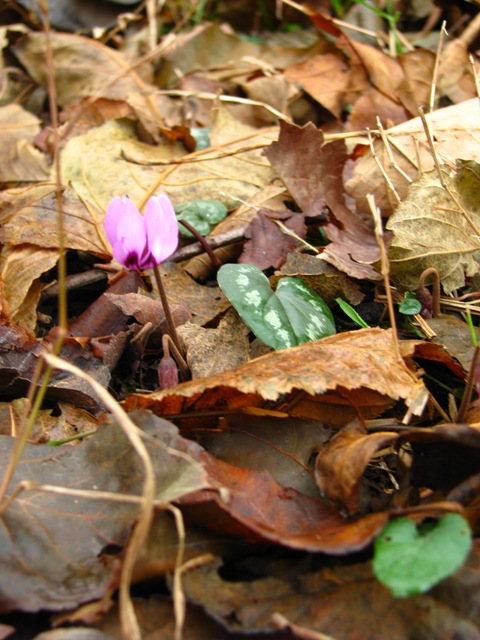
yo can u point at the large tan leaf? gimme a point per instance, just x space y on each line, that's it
20 268
437 228
86 67
29 228
95 164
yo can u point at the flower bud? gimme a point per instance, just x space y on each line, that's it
167 372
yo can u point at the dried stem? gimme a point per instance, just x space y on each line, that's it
35 395
130 627
385 271
433 87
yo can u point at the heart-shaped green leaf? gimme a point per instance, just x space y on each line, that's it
410 561
291 315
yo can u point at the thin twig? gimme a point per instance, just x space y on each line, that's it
381 167
433 86
385 272
431 271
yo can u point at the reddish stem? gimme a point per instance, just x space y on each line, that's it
208 249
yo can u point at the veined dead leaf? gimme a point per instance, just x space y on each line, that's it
21 161
30 216
360 365
53 558
96 164
437 228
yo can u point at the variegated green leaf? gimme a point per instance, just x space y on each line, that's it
291 315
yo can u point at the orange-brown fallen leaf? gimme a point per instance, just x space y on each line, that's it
254 506
353 370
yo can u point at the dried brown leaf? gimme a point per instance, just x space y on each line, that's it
29 216
211 351
342 462
342 601
21 161
259 508
267 245
323 278
312 173
110 160
361 365
51 544
325 77
455 129
437 228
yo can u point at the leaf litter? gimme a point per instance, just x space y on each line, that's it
273 472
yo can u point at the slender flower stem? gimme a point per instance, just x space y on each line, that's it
208 249
166 308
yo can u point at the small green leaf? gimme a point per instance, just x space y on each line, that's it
410 306
202 137
199 224
200 214
351 313
290 316
410 561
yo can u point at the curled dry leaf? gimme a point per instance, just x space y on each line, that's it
341 464
354 369
251 504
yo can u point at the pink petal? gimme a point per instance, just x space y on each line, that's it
162 227
125 229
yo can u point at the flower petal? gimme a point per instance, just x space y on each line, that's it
162 227
125 229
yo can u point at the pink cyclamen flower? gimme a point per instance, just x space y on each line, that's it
141 242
